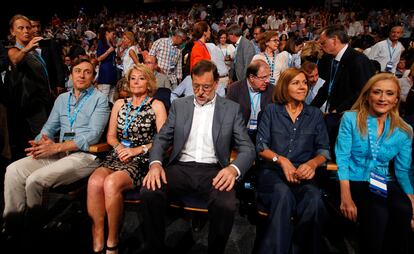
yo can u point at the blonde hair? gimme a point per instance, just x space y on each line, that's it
16 17
280 92
361 106
130 35
149 76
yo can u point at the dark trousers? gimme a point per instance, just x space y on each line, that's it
384 222
284 200
23 128
184 178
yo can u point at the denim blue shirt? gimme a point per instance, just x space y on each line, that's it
300 141
89 124
354 156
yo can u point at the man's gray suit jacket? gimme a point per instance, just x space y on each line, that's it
228 130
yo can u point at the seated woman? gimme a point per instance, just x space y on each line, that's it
133 123
292 141
380 199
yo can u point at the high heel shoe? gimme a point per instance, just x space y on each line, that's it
112 248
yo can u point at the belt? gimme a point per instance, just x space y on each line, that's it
223 76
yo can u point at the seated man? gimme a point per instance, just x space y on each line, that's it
162 79
253 94
80 115
201 129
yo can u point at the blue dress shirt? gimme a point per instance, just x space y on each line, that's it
89 124
300 141
354 156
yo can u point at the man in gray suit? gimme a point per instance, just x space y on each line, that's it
202 129
243 55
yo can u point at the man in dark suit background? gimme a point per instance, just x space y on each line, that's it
201 129
52 55
243 55
253 94
346 71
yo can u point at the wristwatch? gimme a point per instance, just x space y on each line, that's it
145 149
275 158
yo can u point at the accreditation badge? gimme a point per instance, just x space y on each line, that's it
68 136
126 143
378 184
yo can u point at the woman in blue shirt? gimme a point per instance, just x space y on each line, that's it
107 74
380 198
292 141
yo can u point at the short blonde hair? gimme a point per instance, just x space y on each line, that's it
149 76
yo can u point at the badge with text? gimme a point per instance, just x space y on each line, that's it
378 184
253 124
68 136
126 143
389 66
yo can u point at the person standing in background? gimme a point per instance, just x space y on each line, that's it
107 76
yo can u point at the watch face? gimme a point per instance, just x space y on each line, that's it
274 159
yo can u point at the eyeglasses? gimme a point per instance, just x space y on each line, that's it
274 40
205 87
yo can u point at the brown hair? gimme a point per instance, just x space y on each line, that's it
308 67
361 106
265 37
149 76
205 66
199 29
280 92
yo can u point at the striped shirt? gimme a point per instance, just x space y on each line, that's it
169 59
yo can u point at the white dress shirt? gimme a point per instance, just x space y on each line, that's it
199 146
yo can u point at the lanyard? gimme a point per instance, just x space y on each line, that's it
253 105
332 75
271 64
72 118
171 55
374 143
389 49
128 122
39 58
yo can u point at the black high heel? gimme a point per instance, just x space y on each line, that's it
112 248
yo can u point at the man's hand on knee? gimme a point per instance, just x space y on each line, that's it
225 179
155 175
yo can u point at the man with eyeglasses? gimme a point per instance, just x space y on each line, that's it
202 130
253 94
162 79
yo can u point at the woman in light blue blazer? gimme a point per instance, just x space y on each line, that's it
373 152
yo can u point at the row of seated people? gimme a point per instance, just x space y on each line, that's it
290 138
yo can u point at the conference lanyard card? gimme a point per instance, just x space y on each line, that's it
378 184
126 143
253 124
68 136
389 66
